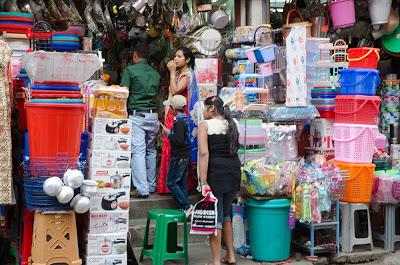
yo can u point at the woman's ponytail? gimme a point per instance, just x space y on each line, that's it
233 132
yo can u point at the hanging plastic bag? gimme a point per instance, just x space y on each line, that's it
204 216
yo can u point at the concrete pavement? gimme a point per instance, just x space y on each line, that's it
199 254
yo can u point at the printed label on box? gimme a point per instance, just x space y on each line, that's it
321 133
111 160
111 178
110 142
112 126
106 244
110 200
108 222
107 260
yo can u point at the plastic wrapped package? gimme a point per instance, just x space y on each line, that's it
281 142
293 113
387 187
110 102
60 67
264 179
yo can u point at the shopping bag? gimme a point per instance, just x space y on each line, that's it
204 216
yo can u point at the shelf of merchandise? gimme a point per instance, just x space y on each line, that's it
334 225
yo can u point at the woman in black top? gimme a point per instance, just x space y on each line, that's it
220 170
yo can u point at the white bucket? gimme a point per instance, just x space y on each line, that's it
379 11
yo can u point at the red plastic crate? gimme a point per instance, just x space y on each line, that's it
357 109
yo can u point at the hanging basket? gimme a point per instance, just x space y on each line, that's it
288 26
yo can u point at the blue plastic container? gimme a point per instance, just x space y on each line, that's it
359 81
269 235
265 54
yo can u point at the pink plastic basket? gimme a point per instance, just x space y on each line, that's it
354 143
266 69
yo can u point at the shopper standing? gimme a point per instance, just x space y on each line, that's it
181 74
144 83
219 171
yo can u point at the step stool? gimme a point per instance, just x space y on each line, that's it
54 239
165 245
349 222
389 236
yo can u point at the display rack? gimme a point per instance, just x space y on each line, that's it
312 227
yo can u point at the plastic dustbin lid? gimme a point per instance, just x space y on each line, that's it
270 204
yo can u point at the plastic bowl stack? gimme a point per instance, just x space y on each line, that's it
15 22
65 41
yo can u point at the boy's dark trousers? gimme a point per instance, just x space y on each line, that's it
177 181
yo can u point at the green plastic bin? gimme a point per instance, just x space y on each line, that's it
269 233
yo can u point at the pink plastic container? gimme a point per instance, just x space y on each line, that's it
266 69
343 13
250 55
354 143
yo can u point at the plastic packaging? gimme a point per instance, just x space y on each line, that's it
110 102
281 142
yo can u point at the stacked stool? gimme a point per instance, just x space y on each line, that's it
389 236
350 222
54 239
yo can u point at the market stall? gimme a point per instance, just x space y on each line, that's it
315 97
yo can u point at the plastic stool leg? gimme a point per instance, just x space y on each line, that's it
370 230
185 242
145 244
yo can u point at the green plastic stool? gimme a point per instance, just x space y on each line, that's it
165 237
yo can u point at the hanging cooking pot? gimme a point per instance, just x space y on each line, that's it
219 19
110 202
113 127
117 180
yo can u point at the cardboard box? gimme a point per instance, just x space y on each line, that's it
111 143
321 133
106 244
110 160
110 200
111 126
111 178
105 260
108 222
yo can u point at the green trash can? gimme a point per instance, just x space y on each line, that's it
269 232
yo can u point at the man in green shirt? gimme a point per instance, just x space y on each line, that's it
144 83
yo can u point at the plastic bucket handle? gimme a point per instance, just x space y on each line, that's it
364 56
358 82
362 105
355 137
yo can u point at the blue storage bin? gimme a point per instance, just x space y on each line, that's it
359 81
265 54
